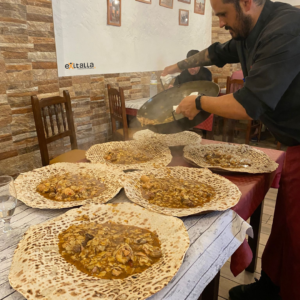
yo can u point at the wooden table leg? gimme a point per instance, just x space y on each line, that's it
255 222
212 290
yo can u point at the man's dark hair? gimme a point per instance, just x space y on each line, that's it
237 3
191 53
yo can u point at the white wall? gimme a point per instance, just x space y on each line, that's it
150 37
292 2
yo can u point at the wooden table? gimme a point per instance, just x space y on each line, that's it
253 188
213 239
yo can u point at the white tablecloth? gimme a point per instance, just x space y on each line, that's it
214 237
135 104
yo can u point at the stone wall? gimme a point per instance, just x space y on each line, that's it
222 36
28 67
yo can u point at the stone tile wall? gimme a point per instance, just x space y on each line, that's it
28 67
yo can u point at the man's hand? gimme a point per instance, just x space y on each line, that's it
170 70
187 107
225 106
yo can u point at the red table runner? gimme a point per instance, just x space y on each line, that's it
207 124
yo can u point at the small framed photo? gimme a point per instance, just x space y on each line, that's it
183 17
199 7
166 3
144 1
114 12
185 1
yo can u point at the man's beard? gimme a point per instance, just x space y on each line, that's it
244 23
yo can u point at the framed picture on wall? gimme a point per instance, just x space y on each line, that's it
183 17
166 3
144 1
114 12
199 7
185 1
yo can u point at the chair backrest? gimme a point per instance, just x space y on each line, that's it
53 120
117 109
233 85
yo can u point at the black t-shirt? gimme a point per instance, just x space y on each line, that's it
270 59
185 76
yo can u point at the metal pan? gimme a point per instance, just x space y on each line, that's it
160 106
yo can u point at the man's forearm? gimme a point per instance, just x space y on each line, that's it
225 106
200 59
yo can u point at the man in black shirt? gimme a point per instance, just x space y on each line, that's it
193 74
266 41
270 59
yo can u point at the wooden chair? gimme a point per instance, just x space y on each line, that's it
218 121
232 85
118 114
230 127
58 111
